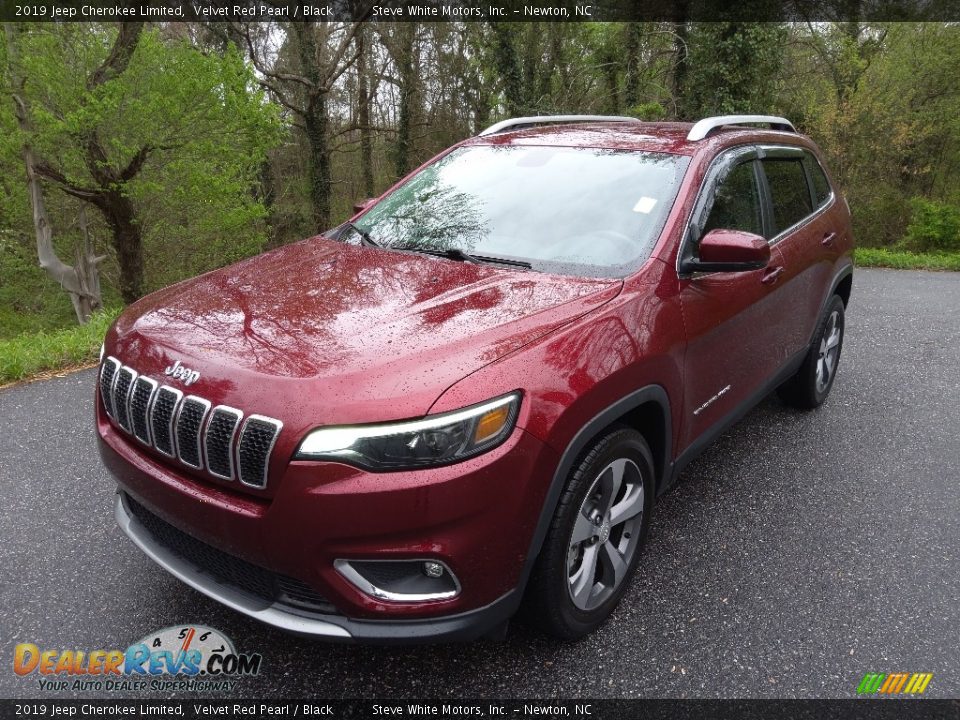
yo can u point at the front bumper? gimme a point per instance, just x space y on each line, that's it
336 628
477 517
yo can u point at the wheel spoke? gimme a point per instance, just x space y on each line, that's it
833 340
583 529
630 506
610 483
828 362
582 581
614 568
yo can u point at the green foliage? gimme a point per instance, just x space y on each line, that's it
206 124
904 260
27 355
934 226
733 68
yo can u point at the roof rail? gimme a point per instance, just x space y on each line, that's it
519 122
706 126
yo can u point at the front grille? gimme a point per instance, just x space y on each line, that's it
178 426
218 440
108 373
121 389
140 398
161 419
256 441
190 419
229 569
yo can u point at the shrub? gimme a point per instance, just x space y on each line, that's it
934 226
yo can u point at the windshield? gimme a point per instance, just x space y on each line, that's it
581 211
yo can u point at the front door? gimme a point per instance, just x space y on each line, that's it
733 347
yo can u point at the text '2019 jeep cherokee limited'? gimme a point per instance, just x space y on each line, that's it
472 393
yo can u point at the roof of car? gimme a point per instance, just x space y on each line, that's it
669 137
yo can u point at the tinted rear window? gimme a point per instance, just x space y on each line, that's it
821 186
789 191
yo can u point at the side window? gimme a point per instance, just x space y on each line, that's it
821 186
736 204
789 191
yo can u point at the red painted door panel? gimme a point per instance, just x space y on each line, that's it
732 342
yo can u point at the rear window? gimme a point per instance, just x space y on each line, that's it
579 211
789 191
821 186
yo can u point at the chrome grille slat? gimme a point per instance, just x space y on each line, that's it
219 440
163 411
121 392
108 372
189 426
139 409
257 438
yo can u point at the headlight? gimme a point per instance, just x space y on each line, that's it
435 440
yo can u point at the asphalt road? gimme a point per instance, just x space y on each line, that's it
801 551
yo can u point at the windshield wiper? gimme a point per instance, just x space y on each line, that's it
365 238
463 256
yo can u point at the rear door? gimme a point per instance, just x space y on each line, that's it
732 344
802 230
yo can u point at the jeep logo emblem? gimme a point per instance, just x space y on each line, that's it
179 372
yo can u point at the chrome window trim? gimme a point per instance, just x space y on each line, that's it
107 398
353 576
133 428
200 430
266 459
230 444
126 399
171 423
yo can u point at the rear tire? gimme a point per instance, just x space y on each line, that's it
811 385
595 538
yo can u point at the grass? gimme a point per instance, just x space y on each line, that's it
33 354
905 260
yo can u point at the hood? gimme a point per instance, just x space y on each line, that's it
320 332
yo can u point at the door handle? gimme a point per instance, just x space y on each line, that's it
771 276
828 239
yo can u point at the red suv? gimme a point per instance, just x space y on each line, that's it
471 394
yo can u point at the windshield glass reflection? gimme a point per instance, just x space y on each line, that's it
582 211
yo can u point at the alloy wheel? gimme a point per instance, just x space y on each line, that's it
829 351
606 534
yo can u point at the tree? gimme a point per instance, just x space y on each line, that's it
82 280
301 75
731 67
146 131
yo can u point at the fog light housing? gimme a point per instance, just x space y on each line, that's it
410 581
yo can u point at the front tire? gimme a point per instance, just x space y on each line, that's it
593 545
811 385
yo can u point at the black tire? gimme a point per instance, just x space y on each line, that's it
811 385
549 602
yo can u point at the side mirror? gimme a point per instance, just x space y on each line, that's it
359 207
730 251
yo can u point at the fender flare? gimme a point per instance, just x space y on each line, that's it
580 441
842 274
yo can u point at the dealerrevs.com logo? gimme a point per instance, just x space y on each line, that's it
178 658
901 683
